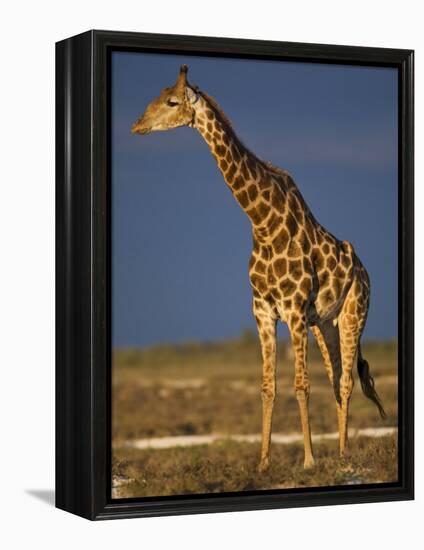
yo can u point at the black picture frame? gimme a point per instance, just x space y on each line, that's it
83 356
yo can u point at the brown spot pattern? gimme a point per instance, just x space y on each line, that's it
331 263
238 183
291 225
253 192
294 250
231 173
243 198
287 286
280 267
295 269
260 267
280 242
220 150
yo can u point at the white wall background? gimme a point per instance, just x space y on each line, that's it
29 30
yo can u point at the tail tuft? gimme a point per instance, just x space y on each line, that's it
367 383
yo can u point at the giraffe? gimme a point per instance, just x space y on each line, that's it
300 273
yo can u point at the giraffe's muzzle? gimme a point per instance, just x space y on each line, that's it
139 128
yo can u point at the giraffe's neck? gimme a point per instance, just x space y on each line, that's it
263 193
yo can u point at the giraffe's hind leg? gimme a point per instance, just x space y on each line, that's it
328 340
324 352
351 322
334 374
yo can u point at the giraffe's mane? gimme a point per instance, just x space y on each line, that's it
215 106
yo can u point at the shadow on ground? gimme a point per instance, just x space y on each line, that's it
45 495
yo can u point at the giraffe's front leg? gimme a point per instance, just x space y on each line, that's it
266 323
299 338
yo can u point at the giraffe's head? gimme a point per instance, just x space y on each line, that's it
173 108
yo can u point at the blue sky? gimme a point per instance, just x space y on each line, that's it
181 243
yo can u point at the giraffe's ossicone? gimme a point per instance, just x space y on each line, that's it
300 273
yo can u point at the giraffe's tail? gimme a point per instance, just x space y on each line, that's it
367 383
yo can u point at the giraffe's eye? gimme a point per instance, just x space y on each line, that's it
172 103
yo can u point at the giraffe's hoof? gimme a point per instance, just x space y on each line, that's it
309 462
263 465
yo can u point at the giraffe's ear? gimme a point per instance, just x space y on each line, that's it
192 95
